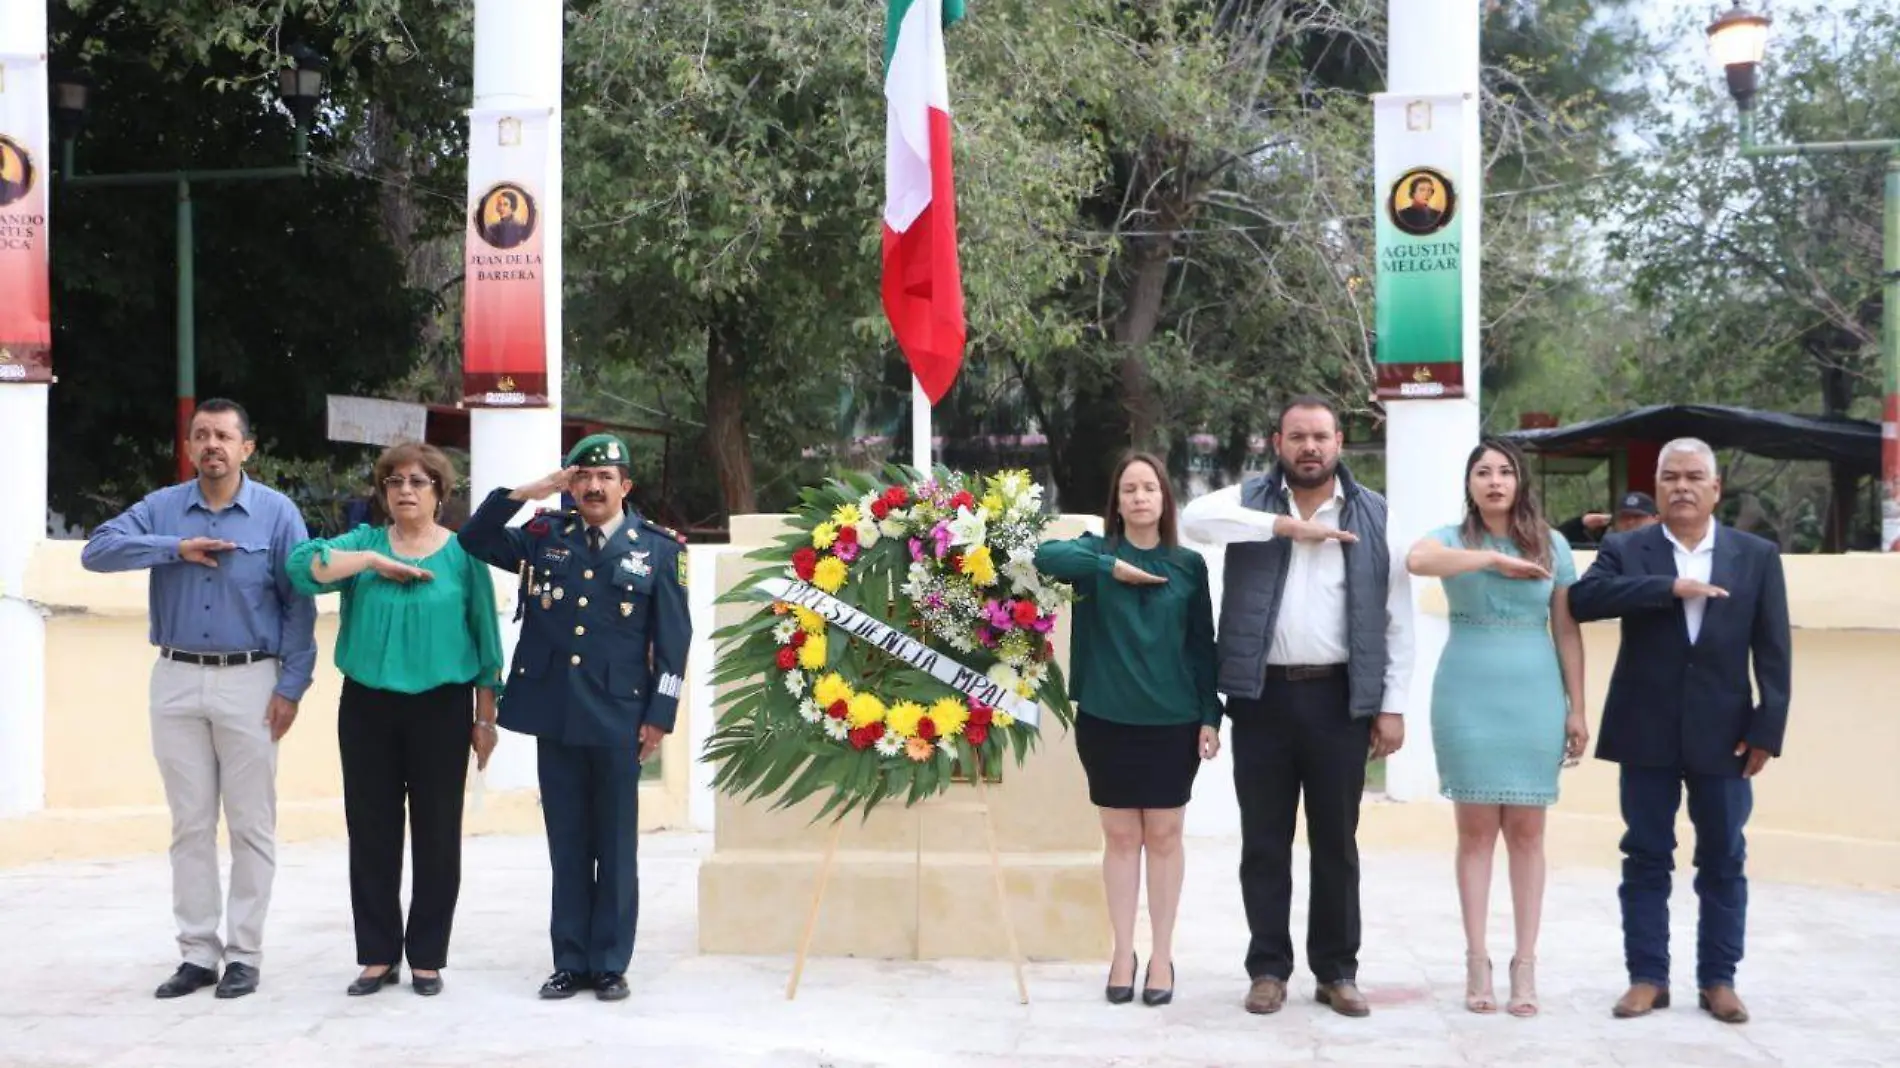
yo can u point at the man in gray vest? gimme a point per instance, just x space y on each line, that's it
1315 661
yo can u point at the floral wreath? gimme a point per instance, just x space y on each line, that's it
898 623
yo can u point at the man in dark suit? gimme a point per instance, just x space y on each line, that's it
1698 601
596 679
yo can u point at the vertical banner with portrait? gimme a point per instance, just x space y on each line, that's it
505 293
26 321
1419 227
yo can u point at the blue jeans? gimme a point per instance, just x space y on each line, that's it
1718 808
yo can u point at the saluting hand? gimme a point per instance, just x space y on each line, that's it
545 487
1686 588
199 550
1515 567
397 571
1134 576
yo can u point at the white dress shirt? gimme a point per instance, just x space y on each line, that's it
1698 564
1311 626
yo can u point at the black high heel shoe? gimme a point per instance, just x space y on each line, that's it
1122 995
371 984
1153 997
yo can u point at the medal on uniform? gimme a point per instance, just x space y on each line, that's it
626 609
559 593
547 602
635 564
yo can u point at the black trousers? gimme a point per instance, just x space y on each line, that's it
1299 739
590 802
401 748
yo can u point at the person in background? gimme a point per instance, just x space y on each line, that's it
420 651
236 646
1636 510
1315 662
1147 713
1507 702
1700 603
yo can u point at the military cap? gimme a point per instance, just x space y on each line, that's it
600 450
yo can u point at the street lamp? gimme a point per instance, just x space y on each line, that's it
1738 40
299 86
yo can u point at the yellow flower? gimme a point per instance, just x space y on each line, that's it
831 574
846 515
978 565
811 655
902 718
919 750
992 505
948 714
830 690
808 621
1003 719
823 535
866 709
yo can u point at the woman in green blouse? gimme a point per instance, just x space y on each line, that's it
1147 713
418 634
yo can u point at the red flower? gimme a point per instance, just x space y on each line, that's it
798 639
849 534
838 710
866 736
1024 612
896 497
981 715
787 658
1048 649
927 729
880 508
963 500
805 562
956 561
977 733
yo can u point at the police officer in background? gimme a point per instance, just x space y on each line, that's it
596 679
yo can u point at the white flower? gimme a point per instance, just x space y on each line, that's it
960 641
810 712
795 683
1003 675
968 528
837 729
782 633
893 522
1013 484
867 534
1020 570
890 744
1035 673
864 506
944 747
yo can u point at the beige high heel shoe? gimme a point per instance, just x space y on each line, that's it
1479 996
1523 1003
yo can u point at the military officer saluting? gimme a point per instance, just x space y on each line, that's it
596 679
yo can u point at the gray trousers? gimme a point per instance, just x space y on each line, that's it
213 744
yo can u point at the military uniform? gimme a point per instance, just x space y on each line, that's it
602 652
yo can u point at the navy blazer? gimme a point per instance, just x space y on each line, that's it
1676 705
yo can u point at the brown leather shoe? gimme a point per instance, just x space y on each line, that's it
1343 998
1722 1003
1640 999
1267 995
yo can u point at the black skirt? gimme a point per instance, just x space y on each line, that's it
1132 766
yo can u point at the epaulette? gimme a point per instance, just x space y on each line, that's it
666 530
544 519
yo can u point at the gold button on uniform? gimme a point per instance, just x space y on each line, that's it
582 602
587 574
575 659
578 631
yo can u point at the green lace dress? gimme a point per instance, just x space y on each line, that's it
1498 701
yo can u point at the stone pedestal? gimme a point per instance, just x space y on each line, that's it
913 883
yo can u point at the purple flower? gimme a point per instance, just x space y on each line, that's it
1043 624
933 599
845 550
998 615
916 551
985 637
941 535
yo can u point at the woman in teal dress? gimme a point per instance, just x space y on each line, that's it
1147 713
420 651
1507 702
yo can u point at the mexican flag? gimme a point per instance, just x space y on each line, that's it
923 287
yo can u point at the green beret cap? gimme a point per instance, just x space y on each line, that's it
600 450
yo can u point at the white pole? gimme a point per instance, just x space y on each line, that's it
1434 49
518 65
919 427
22 501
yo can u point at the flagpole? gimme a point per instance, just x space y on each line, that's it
919 427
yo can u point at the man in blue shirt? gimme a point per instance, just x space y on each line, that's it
236 648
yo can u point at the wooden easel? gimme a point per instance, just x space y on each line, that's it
982 805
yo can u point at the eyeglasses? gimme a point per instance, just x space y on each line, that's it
415 482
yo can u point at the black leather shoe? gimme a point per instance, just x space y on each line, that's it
1122 995
426 985
1154 997
239 980
610 986
366 984
188 979
566 984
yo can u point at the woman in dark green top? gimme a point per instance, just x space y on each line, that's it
1147 713
418 634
